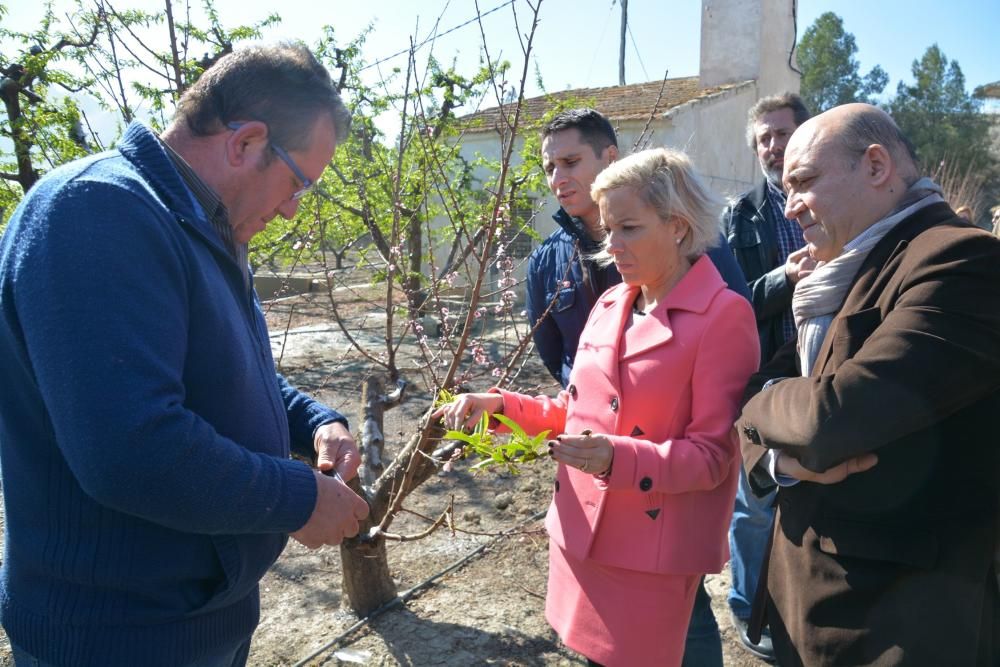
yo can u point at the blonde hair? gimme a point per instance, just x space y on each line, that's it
666 180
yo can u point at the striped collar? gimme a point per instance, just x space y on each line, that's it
218 214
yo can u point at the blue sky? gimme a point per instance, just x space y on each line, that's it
577 40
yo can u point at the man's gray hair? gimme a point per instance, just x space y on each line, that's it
775 103
280 85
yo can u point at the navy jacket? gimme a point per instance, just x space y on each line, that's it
555 271
144 433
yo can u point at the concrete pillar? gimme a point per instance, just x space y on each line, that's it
744 40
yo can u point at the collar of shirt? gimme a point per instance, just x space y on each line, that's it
216 211
218 215
576 228
776 195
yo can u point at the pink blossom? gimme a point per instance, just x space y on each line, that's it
479 354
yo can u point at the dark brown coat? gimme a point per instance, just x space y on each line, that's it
892 566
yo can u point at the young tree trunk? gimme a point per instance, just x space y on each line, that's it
367 584
416 297
372 441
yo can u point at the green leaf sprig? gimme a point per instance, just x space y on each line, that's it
517 449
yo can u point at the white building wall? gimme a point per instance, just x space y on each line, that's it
711 131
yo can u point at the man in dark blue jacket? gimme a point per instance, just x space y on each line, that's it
563 285
144 434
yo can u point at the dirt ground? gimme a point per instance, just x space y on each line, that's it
487 611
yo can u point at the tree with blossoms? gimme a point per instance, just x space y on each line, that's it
432 226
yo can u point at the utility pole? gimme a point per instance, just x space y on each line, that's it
621 49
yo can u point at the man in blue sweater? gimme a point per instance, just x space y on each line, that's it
563 285
145 437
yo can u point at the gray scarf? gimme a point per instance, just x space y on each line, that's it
818 296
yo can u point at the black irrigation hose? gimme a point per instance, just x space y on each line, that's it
407 594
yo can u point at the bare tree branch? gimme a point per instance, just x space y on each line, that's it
642 140
83 43
175 60
117 70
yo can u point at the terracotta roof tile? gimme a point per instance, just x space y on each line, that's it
630 102
988 91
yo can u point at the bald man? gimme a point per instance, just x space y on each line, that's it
882 436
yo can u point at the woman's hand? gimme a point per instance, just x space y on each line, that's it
591 454
466 410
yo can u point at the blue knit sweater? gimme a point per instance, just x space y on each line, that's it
144 434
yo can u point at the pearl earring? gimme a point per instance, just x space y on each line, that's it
678 241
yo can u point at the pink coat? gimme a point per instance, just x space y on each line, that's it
668 407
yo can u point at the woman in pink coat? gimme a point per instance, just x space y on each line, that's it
647 461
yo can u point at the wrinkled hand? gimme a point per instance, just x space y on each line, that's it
336 450
588 453
799 265
786 465
336 515
466 410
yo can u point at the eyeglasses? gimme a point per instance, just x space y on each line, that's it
307 183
